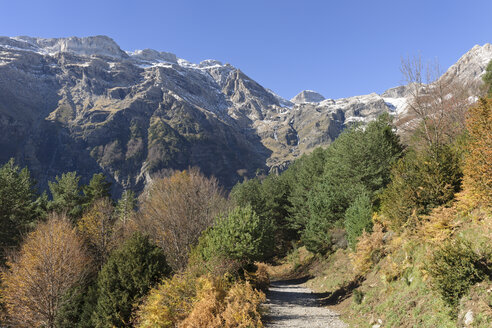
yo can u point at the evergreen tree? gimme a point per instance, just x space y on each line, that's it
360 160
249 193
128 275
19 205
308 171
421 181
97 188
242 236
78 306
67 197
487 79
358 218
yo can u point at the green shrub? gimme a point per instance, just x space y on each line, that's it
358 296
241 236
454 268
358 218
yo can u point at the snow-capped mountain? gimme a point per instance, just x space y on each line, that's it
84 104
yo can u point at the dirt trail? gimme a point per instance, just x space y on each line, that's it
290 304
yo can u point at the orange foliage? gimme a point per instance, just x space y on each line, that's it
236 308
370 249
50 262
185 301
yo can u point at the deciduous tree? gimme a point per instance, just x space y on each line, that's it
178 209
50 262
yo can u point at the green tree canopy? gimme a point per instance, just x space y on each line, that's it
67 196
242 236
128 275
19 204
358 218
97 188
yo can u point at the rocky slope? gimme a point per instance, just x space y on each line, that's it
84 104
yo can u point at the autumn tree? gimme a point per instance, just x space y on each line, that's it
177 209
97 226
49 263
477 170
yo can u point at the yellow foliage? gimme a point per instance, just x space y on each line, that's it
260 279
185 301
97 227
236 308
477 179
168 303
438 226
370 249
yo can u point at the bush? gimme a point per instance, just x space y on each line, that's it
185 301
454 268
358 218
170 302
370 249
358 296
241 236
237 307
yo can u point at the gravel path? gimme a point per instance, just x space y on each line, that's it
293 305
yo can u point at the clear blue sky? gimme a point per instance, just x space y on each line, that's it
339 48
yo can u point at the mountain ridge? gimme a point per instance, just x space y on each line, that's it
84 104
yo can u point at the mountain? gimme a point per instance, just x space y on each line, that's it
84 104
307 96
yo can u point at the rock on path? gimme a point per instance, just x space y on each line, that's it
293 305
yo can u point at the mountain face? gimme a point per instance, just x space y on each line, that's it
307 96
84 104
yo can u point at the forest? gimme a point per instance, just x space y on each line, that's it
408 213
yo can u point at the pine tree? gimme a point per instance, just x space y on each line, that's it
67 197
358 218
97 188
487 79
242 236
19 205
128 275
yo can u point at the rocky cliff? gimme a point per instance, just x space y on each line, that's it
84 104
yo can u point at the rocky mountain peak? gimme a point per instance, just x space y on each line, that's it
307 96
153 56
100 45
470 67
